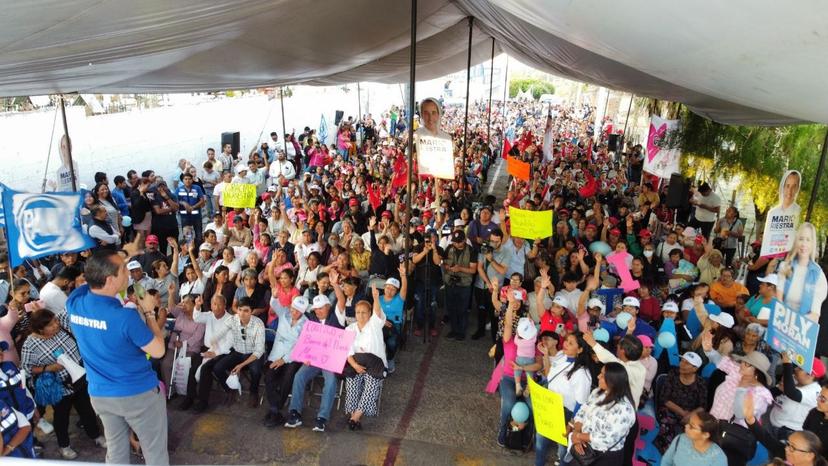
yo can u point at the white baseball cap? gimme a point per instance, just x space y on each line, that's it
669 306
300 304
132 265
770 279
631 301
393 282
723 319
595 302
320 301
459 223
694 359
526 328
561 301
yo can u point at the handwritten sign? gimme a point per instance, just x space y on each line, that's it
548 412
791 331
239 195
435 157
627 281
518 169
530 224
323 346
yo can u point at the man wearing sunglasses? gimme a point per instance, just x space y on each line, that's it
248 346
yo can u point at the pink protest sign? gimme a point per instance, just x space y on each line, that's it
627 282
323 346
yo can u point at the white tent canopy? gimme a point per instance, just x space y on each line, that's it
737 61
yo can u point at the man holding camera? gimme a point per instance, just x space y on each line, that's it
491 269
458 271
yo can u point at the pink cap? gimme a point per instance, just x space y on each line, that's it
646 341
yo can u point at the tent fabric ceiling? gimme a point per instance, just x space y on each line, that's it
737 62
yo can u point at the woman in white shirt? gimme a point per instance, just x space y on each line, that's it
365 356
193 274
569 374
605 420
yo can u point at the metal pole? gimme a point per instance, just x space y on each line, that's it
818 179
491 88
466 119
503 126
359 103
412 84
68 143
282 103
632 97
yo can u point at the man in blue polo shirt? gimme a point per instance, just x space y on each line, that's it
114 342
190 201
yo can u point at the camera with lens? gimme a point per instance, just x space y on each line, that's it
454 280
486 248
313 291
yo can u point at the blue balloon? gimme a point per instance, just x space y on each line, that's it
520 412
601 247
601 334
622 319
126 220
666 340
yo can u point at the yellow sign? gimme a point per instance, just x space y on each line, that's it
530 224
239 195
548 412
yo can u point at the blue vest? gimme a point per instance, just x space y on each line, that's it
12 391
9 427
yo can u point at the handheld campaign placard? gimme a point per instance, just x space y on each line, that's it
323 346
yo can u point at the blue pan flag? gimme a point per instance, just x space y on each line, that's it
41 225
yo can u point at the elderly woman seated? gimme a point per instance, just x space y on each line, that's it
366 362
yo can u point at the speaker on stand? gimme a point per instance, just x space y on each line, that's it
234 139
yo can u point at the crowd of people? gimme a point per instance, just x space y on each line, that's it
330 241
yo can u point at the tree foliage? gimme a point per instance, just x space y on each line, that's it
536 86
760 155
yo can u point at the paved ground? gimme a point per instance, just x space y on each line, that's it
434 411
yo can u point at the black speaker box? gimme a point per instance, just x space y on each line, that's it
678 193
612 144
234 139
339 115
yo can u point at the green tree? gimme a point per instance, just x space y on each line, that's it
536 86
759 155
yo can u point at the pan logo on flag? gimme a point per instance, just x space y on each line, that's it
42 224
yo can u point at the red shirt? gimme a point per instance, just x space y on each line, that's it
650 309
550 322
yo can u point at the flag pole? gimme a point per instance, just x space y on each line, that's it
817 179
68 143
284 131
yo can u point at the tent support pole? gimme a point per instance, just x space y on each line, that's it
282 103
412 77
491 88
503 125
626 120
359 103
818 179
69 143
466 119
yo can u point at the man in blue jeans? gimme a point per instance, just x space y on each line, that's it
320 313
458 271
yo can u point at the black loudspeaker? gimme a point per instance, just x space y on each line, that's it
339 115
234 139
678 192
612 144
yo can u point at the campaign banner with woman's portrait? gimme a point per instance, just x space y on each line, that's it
783 218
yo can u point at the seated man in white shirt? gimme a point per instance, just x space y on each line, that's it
214 320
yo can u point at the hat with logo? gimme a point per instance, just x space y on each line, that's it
631 301
393 282
693 358
595 302
151 239
458 236
770 279
320 301
133 265
526 328
560 301
669 306
300 303
724 319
